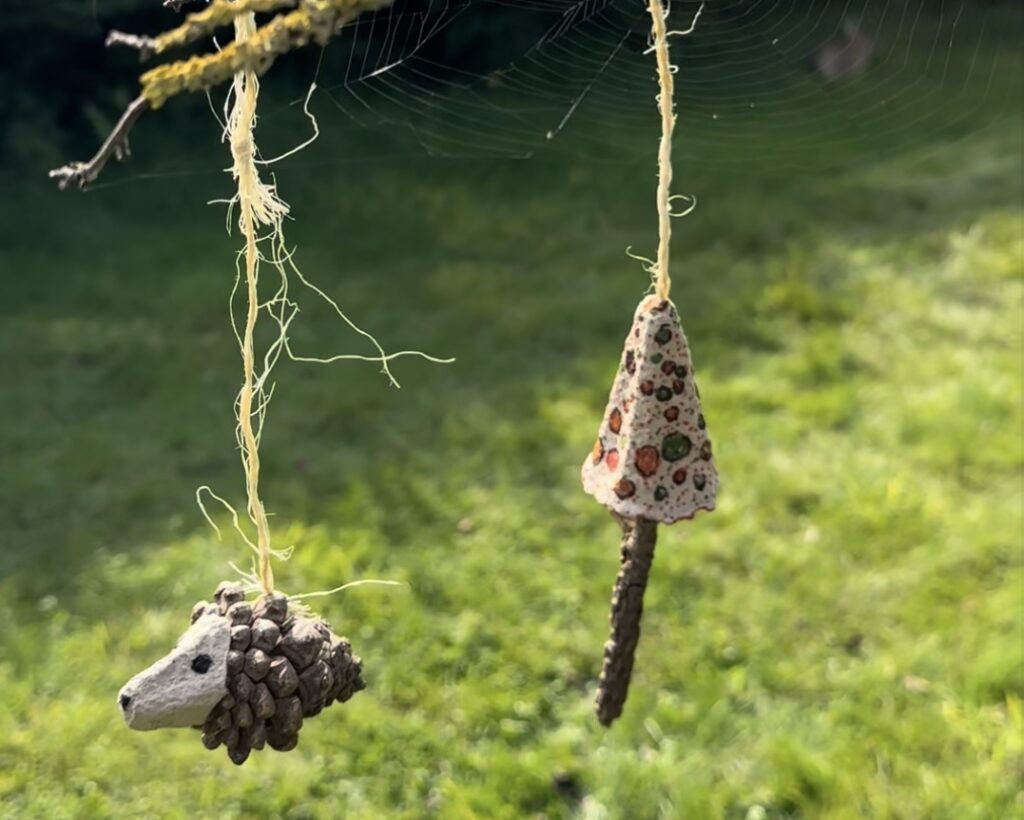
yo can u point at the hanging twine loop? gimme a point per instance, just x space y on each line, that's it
661 274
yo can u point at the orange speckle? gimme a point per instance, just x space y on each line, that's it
647 460
615 420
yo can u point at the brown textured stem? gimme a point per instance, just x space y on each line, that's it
638 540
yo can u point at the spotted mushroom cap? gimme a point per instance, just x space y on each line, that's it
652 458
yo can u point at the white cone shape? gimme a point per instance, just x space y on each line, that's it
652 458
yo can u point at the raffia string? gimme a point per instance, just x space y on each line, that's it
261 214
661 274
258 205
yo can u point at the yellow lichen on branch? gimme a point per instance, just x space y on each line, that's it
218 14
313 20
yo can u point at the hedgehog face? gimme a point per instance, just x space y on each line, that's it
182 688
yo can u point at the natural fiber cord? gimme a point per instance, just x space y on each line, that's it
258 205
662 274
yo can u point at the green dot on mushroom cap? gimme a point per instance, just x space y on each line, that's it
675 446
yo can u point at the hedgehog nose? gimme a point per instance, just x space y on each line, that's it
125 701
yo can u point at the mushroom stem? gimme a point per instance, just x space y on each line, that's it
638 539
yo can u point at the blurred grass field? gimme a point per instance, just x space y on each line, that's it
841 638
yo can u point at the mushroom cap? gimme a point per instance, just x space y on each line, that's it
653 458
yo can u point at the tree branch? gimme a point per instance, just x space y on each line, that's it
146 46
115 145
217 14
316 20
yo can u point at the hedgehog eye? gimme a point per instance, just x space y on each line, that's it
202 664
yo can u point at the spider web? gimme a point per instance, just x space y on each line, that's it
573 76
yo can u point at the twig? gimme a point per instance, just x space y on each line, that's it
638 540
146 46
316 20
115 145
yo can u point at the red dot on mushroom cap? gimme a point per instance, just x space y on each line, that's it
647 460
615 420
625 488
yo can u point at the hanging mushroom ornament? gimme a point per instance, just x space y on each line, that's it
652 462
245 675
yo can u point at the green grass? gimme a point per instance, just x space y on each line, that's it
841 639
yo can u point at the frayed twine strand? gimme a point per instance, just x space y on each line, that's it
261 213
661 277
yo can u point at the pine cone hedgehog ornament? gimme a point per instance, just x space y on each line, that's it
246 674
